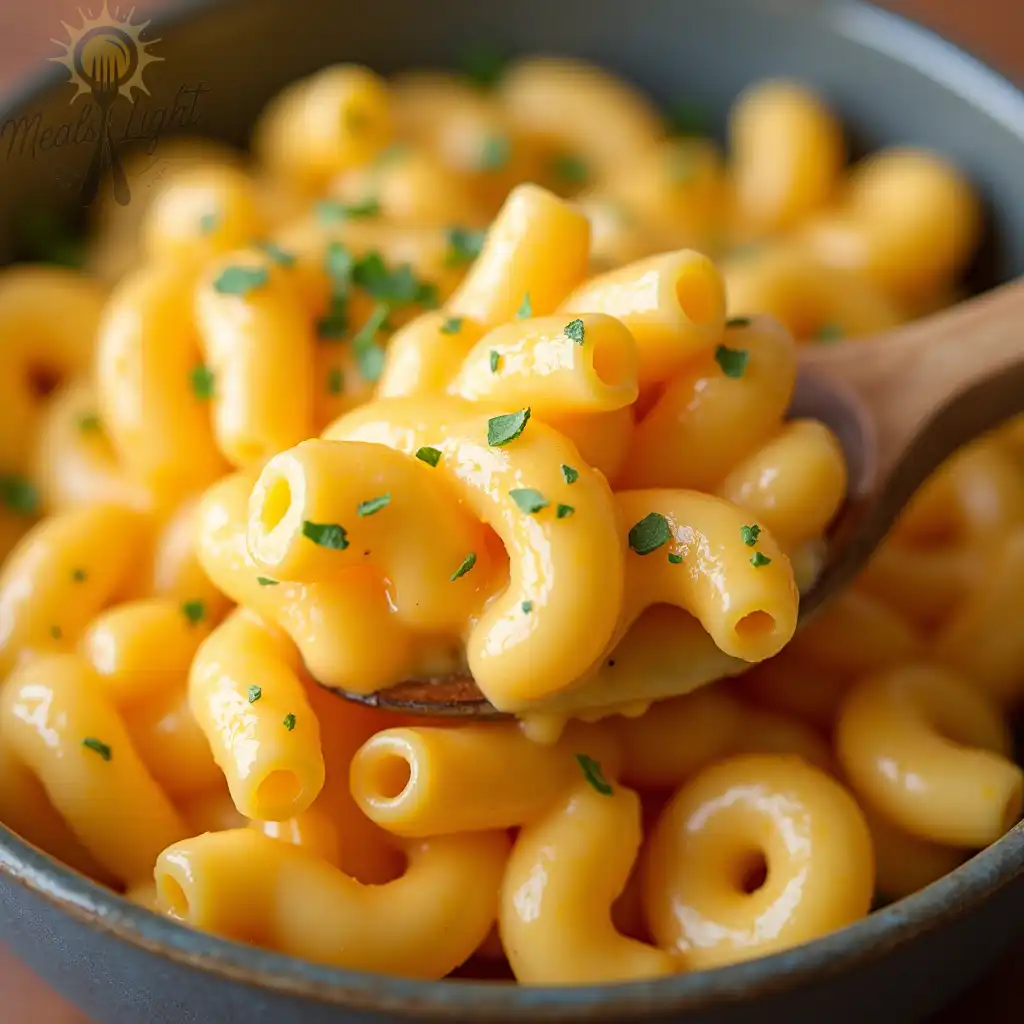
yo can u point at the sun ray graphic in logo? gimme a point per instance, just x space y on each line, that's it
106 58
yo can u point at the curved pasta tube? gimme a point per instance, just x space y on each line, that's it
796 688
794 485
567 569
706 422
211 811
931 755
424 356
339 384
616 235
258 346
587 365
743 595
337 483
147 368
755 855
566 869
788 154
205 210
245 694
58 724
537 246
311 831
421 781
601 438
74 461
245 886
64 571
48 323
672 303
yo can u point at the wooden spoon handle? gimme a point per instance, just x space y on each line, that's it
904 377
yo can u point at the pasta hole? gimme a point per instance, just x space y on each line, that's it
752 872
42 381
610 363
388 776
172 895
754 626
277 793
699 293
277 499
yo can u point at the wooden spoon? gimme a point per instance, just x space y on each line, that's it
900 403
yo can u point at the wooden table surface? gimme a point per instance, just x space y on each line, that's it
992 29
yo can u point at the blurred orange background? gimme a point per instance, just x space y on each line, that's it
992 29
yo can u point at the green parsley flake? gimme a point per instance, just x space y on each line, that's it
368 508
592 773
79 575
570 475
339 265
369 355
564 511
202 380
495 359
255 692
97 747
574 331
527 607
331 211
431 456
19 495
674 558
467 563
289 722
528 499
398 286
277 254
650 533
688 119
733 361
758 559
240 280
525 310
89 423
570 169
266 581
208 223
501 430
452 325
334 323
749 534
194 611
57 633
495 153
326 535
738 321
464 246
829 332
335 381
484 66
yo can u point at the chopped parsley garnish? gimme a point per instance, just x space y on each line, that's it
194 611
564 511
452 325
686 118
369 355
202 380
240 280
528 499
330 211
749 534
79 575
266 581
495 153
738 321
650 533
289 722
495 359
326 535
97 747
89 423
335 381
399 285
525 310
829 332
338 264
506 428
255 692
733 361
19 494
56 632
277 254
431 456
758 559
208 223
574 331
527 607
592 773
369 507
467 563
484 66
674 558
570 169
464 246
570 475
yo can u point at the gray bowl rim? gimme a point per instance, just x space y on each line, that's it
953 896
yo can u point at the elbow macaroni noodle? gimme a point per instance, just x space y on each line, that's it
456 382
